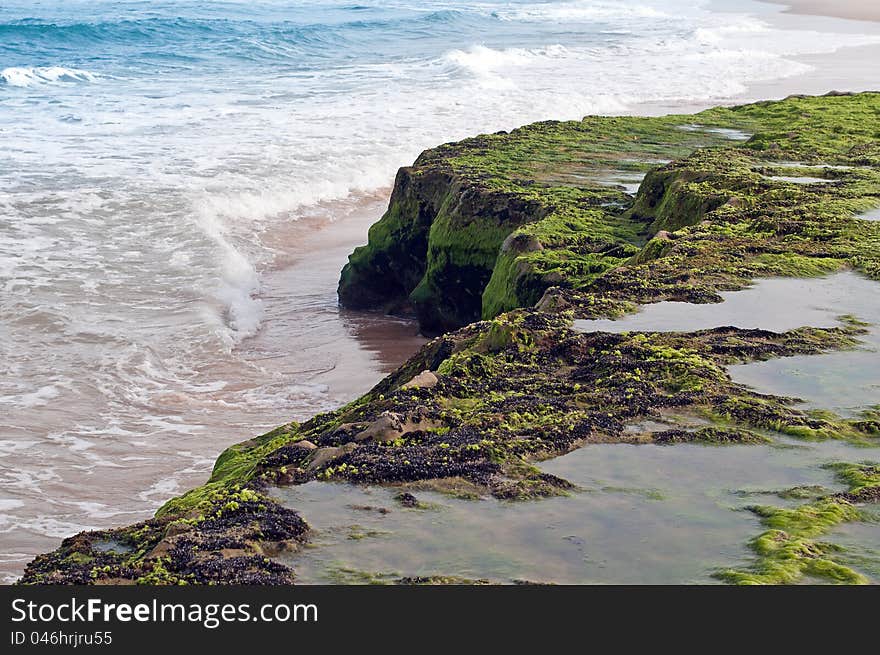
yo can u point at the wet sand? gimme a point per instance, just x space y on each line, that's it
318 247
850 9
309 356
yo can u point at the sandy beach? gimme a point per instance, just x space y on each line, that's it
848 69
850 9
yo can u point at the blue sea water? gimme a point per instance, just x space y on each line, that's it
225 116
154 155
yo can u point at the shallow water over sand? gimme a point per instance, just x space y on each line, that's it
111 449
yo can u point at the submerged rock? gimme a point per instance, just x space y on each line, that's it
407 500
790 550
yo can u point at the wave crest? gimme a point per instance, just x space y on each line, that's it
25 76
577 11
481 60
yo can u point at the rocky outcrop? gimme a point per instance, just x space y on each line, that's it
490 224
434 250
493 225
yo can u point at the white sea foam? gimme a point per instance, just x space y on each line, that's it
577 11
481 59
236 285
490 66
99 510
47 526
40 397
161 490
25 76
10 446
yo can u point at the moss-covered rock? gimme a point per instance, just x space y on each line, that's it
224 539
434 250
502 221
490 227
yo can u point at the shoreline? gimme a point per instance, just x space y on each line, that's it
328 235
858 10
335 355
474 410
848 69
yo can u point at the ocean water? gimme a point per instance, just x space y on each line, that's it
181 180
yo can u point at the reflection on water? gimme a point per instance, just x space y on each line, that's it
873 215
391 340
628 181
844 381
733 135
799 179
820 167
776 304
644 514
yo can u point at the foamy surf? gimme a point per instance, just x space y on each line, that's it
26 76
580 10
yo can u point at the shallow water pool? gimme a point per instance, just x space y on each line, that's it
842 381
643 514
873 215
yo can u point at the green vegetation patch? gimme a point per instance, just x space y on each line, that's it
788 551
538 216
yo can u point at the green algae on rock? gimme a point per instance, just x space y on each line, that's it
502 221
524 231
789 551
526 386
226 539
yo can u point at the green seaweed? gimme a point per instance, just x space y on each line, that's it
788 550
